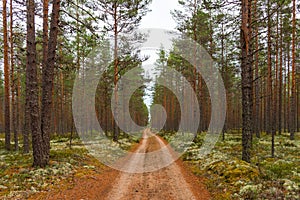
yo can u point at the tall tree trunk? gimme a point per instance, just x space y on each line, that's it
13 85
262 119
288 117
276 112
194 76
269 60
116 72
275 91
293 97
18 106
280 80
48 77
32 87
257 80
62 111
247 76
6 78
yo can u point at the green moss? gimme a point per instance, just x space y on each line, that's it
227 174
233 171
279 169
289 144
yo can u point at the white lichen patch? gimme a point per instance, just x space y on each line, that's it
264 178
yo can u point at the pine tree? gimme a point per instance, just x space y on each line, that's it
32 89
47 83
246 65
121 17
293 97
6 78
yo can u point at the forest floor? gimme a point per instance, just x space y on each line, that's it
74 174
228 177
100 182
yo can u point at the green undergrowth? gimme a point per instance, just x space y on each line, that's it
19 180
228 177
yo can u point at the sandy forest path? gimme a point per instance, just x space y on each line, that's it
173 182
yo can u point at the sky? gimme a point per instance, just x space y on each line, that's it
159 17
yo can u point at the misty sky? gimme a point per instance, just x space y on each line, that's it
159 17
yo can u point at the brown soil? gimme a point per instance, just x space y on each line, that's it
172 182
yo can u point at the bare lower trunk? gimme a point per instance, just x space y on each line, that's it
32 88
293 97
115 116
48 77
6 79
280 82
247 85
13 82
257 79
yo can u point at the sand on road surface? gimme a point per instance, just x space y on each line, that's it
166 183
173 182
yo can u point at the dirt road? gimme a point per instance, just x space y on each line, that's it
173 182
166 183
